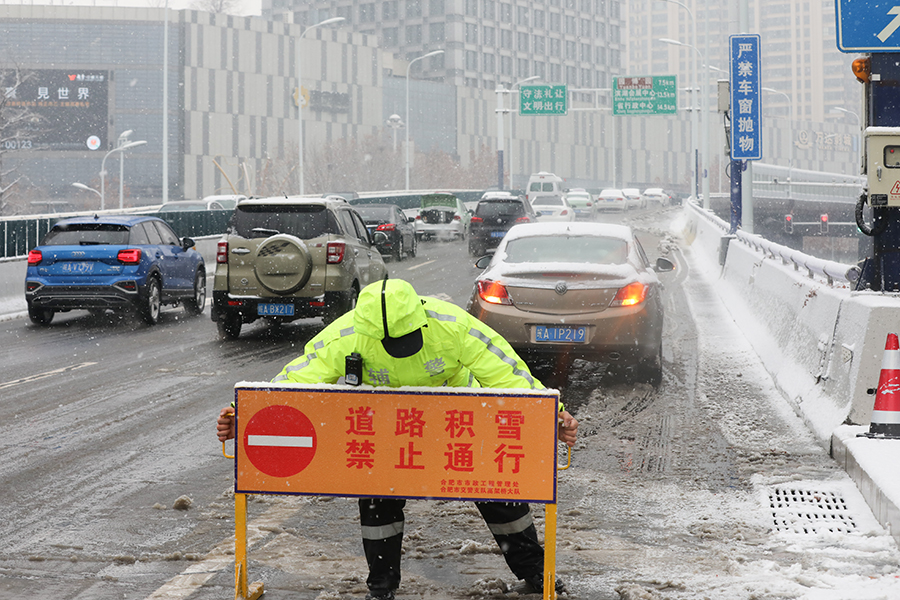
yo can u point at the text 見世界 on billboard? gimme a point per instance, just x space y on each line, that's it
66 110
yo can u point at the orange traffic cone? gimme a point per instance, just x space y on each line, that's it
885 421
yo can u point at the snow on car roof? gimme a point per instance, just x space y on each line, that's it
622 232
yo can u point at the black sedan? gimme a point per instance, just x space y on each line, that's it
399 232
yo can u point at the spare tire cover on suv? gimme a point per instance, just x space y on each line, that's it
283 264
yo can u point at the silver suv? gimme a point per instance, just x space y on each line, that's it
291 258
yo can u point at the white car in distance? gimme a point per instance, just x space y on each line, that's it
553 208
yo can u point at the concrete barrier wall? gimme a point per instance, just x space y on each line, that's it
822 345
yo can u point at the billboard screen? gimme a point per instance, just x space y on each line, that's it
69 108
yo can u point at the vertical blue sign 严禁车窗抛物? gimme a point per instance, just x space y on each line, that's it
868 25
746 140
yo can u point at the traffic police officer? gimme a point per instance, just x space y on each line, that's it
408 340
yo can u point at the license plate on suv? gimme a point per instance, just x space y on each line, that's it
498 234
560 333
270 309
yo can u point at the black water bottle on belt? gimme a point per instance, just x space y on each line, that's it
353 369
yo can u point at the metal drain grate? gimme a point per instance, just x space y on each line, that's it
809 512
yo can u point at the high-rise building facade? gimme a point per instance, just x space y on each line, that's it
804 76
486 43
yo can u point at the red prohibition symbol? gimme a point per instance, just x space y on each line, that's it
280 441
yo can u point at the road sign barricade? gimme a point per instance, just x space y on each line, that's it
429 443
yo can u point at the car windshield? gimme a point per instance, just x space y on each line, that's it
548 200
499 208
374 213
579 249
303 221
87 234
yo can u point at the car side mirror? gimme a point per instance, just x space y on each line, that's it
411 219
483 262
664 265
187 243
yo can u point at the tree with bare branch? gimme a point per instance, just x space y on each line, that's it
17 121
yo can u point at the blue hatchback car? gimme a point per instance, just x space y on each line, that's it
124 263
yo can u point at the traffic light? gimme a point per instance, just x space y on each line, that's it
823 224
788 224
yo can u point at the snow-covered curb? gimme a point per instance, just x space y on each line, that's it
872 465
821 344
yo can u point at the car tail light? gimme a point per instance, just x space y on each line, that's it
589 204
128 286
476 220
386 227
129 256
564 212
222 252
493 292
335 252
418 217
523 220
457 218
630 295
35 257
31 286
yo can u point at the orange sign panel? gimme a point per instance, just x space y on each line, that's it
454 444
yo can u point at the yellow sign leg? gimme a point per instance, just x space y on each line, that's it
550 552
242 591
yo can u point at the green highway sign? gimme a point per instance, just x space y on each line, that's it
654 95
543 100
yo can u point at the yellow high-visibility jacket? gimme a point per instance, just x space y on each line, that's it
458 349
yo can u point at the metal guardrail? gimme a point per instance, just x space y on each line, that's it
18 235
828 270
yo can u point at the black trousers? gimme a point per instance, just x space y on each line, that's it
382 531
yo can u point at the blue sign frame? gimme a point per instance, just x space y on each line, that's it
867 25
746 95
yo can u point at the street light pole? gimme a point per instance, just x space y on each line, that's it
790 135
81 186
858 125
704 142
697 162
121 148
123 139
512 113
408 67
300 98
395 123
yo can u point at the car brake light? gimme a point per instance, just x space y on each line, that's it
335 252
222 252
457 218
630 295
35 257
476 220
589 204
564 212
523 220
418 217
493 292
130 256
386 227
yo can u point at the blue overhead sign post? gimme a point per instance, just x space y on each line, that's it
746 138
868 25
